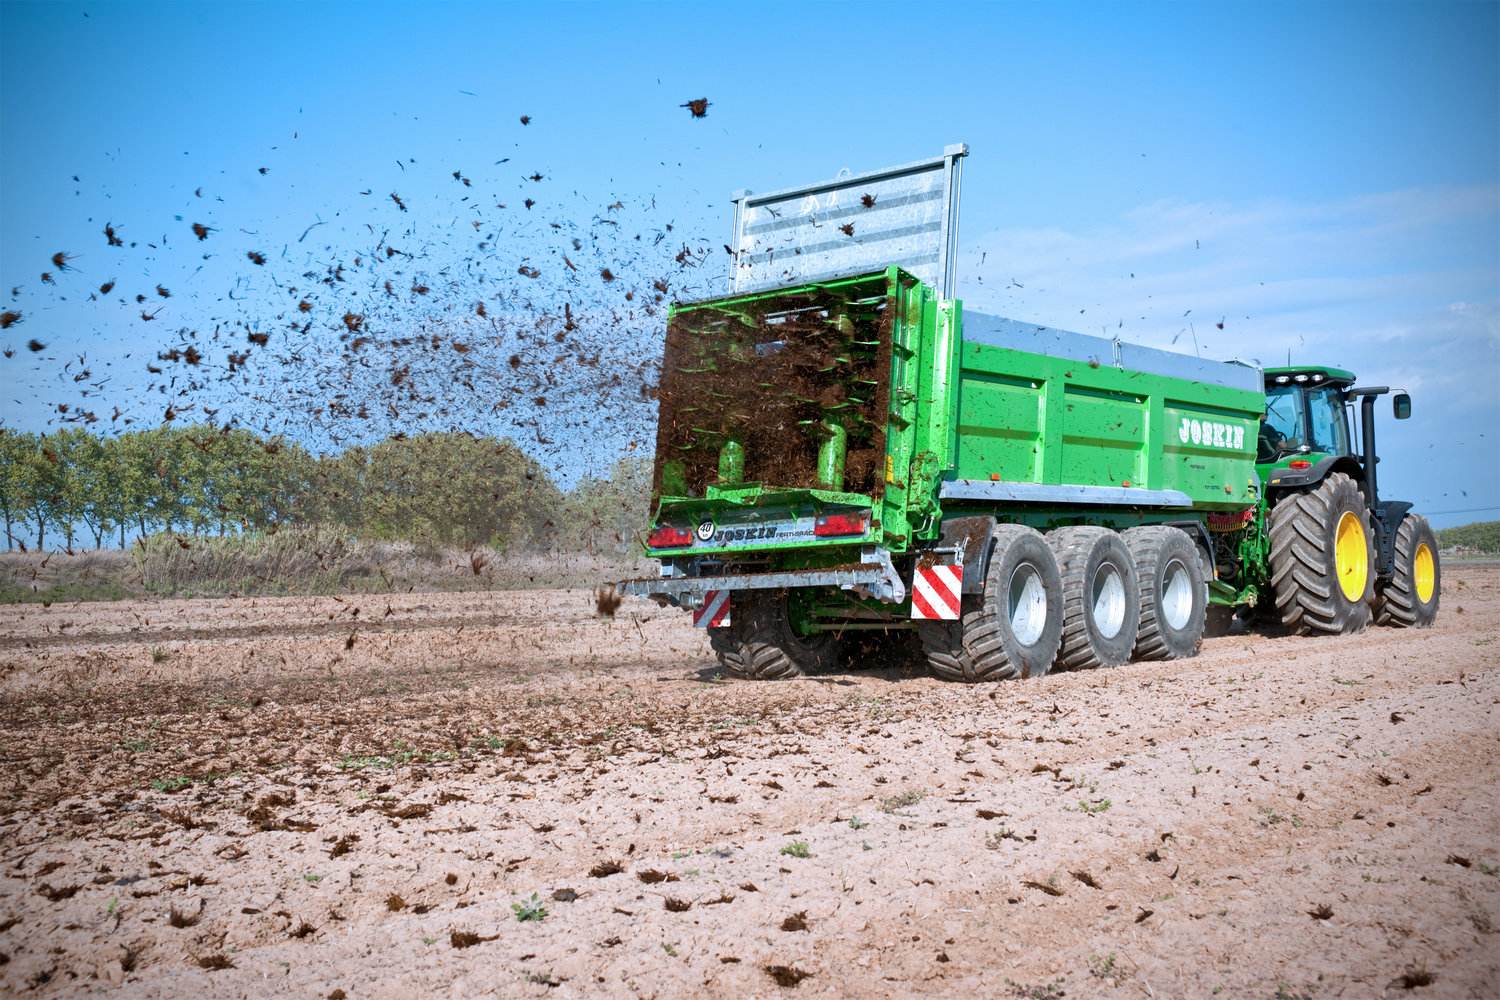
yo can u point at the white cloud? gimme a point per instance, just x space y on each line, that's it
1403 287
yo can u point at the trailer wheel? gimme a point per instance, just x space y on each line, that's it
1323 558
1410 599
1101 598
1174 597
1011 629
760 643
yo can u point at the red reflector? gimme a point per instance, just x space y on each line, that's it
668 537
840 524
1299 463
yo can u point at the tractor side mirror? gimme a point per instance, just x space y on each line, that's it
1401 405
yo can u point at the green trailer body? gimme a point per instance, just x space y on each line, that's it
825 433
842 449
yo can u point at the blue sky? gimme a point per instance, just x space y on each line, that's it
1322 178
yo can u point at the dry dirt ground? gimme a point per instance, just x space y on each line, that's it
318 798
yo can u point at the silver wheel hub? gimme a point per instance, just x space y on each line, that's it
1026 604
1176 603
1108 601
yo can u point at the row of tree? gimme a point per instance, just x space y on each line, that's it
448 489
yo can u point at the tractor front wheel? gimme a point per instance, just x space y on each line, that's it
1322 559
1410 600
761 643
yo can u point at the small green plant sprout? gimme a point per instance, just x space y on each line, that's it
174 784
1270 817
797 849
1104 967
1092 806
666 947
530 909
138 744
160 654
901 800
1041 991
312 879
855 823
995 839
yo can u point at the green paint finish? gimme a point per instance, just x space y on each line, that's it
1034 418
963 410
831 456
732 461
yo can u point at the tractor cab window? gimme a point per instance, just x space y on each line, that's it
1329 428
1281 432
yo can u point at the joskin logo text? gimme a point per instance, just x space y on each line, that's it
1211 434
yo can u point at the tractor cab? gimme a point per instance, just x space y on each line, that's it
1319 468
1307 431
1306 419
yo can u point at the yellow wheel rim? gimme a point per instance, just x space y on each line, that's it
1351 556
1424 572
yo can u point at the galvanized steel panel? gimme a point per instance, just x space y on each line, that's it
996 331
853 224
1111 496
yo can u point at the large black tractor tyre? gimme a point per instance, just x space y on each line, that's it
761 645
1323 559
1410 599
1013 628
1101 598
1174 596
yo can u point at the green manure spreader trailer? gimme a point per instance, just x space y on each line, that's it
858 454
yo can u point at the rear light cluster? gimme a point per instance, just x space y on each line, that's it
1299 463
829 525
669 537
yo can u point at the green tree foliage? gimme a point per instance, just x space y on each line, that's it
39 484
603 515
15 447
440 489
1481 536
449 489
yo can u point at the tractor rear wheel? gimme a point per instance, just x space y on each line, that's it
1410 600
1101 598
1322 558
1013 628
1174 597
761 643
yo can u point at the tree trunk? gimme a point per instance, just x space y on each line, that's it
122 534
41 532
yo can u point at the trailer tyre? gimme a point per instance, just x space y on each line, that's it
1323 558
1410 599
1101 598
1173 594
760 643
1010 630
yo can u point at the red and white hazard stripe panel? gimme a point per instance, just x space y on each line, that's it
715 610
937 593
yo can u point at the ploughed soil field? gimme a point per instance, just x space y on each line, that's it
505 794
